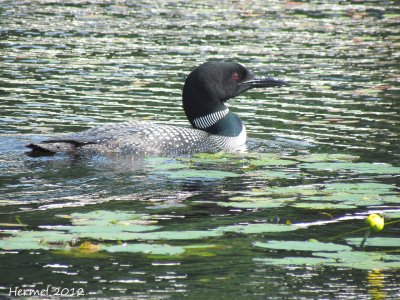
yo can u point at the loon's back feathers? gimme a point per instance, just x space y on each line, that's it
215 127
141 138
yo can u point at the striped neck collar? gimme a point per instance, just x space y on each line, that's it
222 123
209 120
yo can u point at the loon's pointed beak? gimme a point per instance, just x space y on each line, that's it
261 82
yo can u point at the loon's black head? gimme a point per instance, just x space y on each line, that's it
211 84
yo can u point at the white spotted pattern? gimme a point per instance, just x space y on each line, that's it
143 138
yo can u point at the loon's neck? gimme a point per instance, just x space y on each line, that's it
222 122
203 102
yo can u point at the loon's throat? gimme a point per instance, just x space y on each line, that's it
223 123
209 120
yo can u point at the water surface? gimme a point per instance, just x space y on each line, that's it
324 150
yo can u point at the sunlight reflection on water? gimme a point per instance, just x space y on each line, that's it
71 65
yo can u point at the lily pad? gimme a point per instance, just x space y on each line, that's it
251 204
393 214
262 199
340 259
31 240
257 228
294 261
105 217
255 202
317 205
326 157
108 225
376 242
165 164
183 168
344 259
302 246
359 168
362 260
269 174
355 194
289 191
146 248
360 187
117 233
179 235
269 159
214 158
107 229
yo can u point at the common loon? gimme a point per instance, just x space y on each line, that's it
215 128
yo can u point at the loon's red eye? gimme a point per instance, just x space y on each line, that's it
235 76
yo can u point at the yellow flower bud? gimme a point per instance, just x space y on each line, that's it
375 222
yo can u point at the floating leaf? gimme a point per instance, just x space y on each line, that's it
165 164
106 229
257 228
12 225
361 168
179 235
109 236
261 199
342 259
326 157
363 260
376 242
269 174
22 244
215 158
360 187
105 217
289 191
393 214
269 159
302 246
294 261
316 205
30 240
146 248
255 202
251 204
356 194
115 235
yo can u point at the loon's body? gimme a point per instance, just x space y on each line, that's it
142 139
215 128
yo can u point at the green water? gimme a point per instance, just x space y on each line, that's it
282 221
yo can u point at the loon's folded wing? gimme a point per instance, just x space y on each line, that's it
50 147
139 138
106 138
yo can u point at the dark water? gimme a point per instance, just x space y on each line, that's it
70 65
